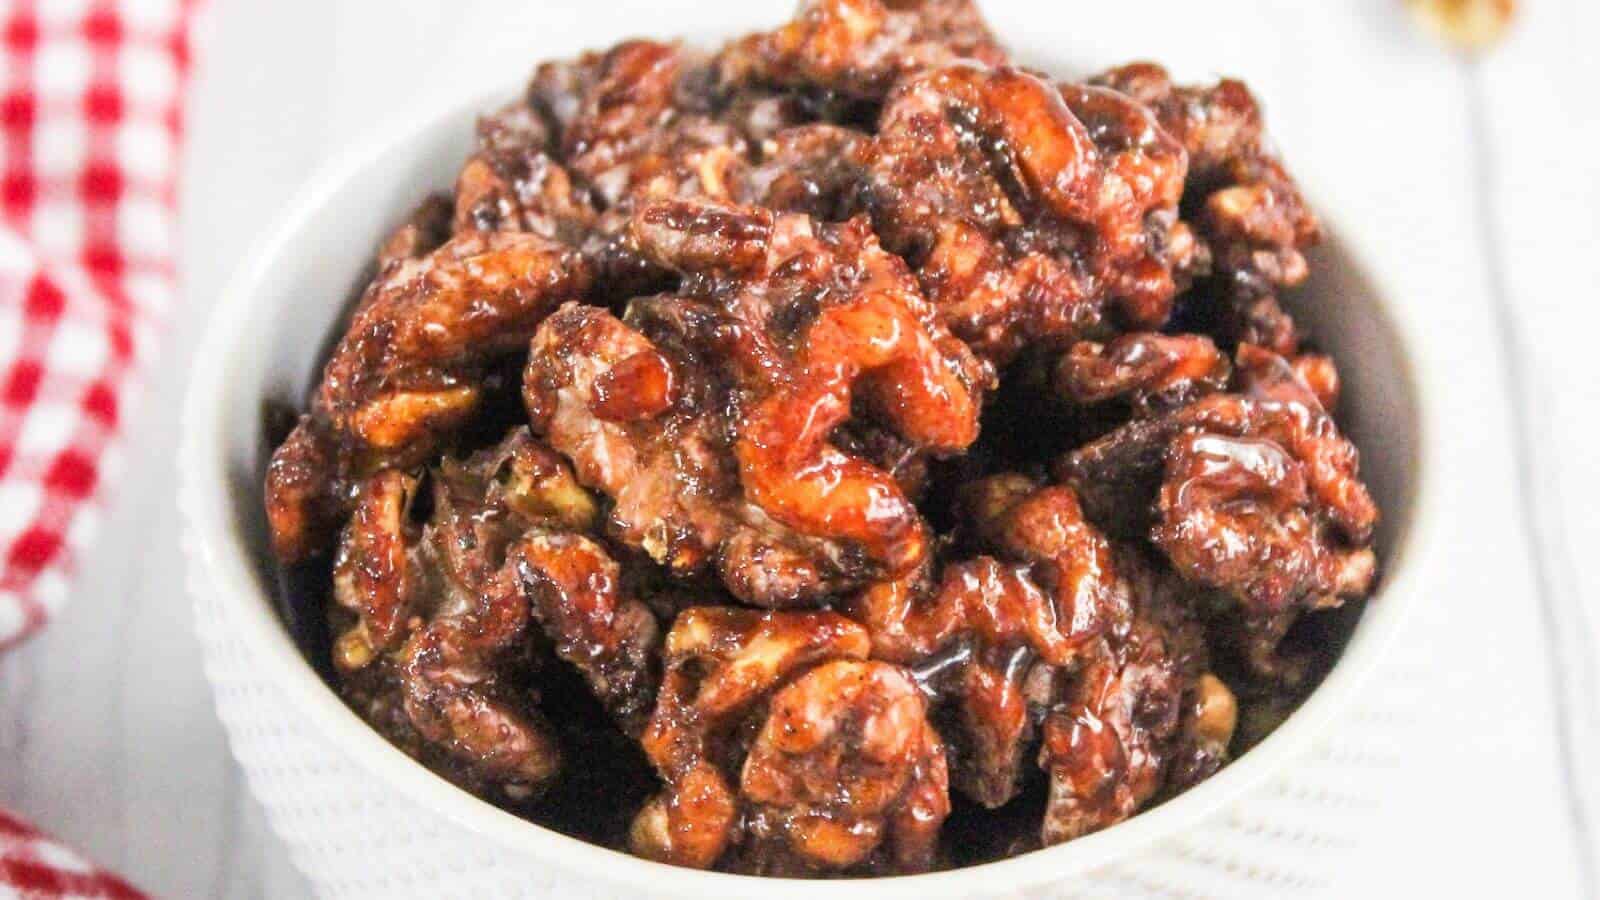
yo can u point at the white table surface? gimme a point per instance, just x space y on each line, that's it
1472 187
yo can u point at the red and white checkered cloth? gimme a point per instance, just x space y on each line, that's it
33 865
91 111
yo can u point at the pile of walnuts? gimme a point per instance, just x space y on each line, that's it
829 433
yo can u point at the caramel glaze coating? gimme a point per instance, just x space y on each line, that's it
782 326
1024 221
782 747
1247 210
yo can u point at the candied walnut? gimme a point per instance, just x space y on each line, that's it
479 505
513 183
1151 254
846 762
1151 372
455 699
452 669
987 622
580 600
1130 711
308 479
301 492
1259 494
716 663
692 158
1286 410
1102 765
834 755
445 614
872 344
1023 220
1236 514
576 590
1100 646
969 638
408 370
372 575
781 325
861 47
605 105
864 333
633 125
1251 216
1069 556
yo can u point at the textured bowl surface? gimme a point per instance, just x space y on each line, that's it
362 819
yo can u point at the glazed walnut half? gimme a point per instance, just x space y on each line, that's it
781 744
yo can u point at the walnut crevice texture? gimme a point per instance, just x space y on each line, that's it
842 453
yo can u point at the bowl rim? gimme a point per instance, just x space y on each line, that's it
220 558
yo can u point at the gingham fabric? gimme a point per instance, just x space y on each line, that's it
34 866
90 118
90 115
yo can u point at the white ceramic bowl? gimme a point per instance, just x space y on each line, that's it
363 819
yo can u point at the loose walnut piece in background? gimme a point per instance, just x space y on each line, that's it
1470 25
